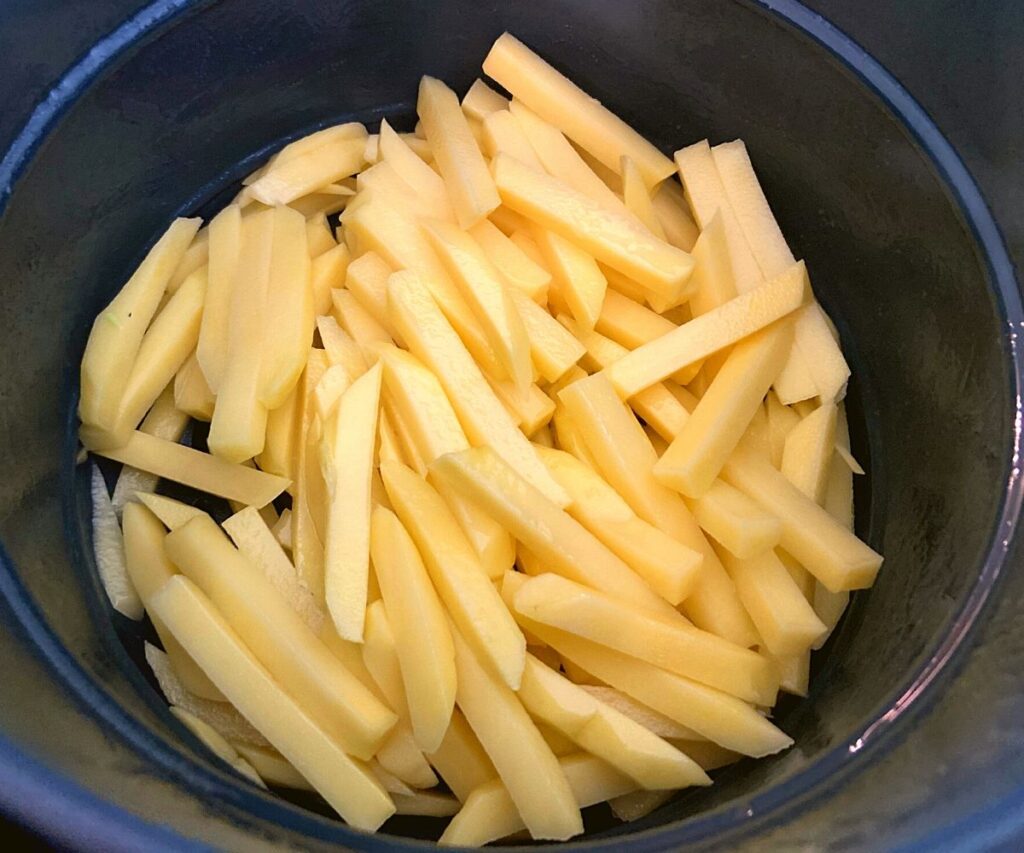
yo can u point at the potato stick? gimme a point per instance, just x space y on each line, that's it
164 421
838 503
117 334
650 719
502 133
580 117
780 611
631 325
327 273
515 267
358 322
257 544
561 160
392 784
822 545
461 760
199 470
457 573
781 420
680 648
192 394
367 280
708 755
342 349
624 284
279 448
172 514
217 744
271 766
309 490
712 713
481 100
543 437
196 256
490 814
656 405
525 763
638 804
625 457
577 279
108 550
637 198
349 444
396 151
530 408
401 757
170 339
400 241
279 637
483 291
669 567
426 804
697 454
809 449
796 671
319 237
735 521
568 438
613 238
458 158
312 141
335 382
327 200
553 349
205 634
601 730
307 172
673 212
481 414
710 332
383 181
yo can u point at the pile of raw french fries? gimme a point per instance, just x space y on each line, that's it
556 443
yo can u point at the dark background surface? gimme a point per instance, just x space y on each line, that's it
962 60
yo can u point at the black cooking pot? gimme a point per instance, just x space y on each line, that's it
904 731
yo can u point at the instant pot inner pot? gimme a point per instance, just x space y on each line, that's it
172 126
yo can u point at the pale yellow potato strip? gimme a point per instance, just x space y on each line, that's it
196 256
225 243
809 451
616 239
395 150
822 545
201 471
650 719
310 170
515 267
483 417
710 332
577 279
481 100
461 760
349 444
327 273
559 101
343 782
530 408
458 158
502 133
118 331
553 349
673 212
309 490
735 521
680 648
525 763
217 744
279 445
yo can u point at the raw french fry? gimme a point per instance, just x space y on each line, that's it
358 322
461 760
698 452
279 638
530 408
553 349
319 236
713 331
310 142
167 343
782 615
563 543
367 280
560 159
515 267
719 717
199 470
624 455
402 757
796 671
196 256
484 292
713 281
481 100
342 348
109 551
525 763
459 160
172 514
838 503
396 151
578 280
257 544
309 490
392 784
204 633
631 325
325 201
422 638
781 420
824 547
484 419
118 332
604 732
164 421
502 133
650 719
271 766
238 428
217 744
279 450
735 521
670 568
808 453
614 238
426 803
673 212
306 172
348 447
680 648
639 804
637 197
708 755
559 101
192 394
456 572
328 272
